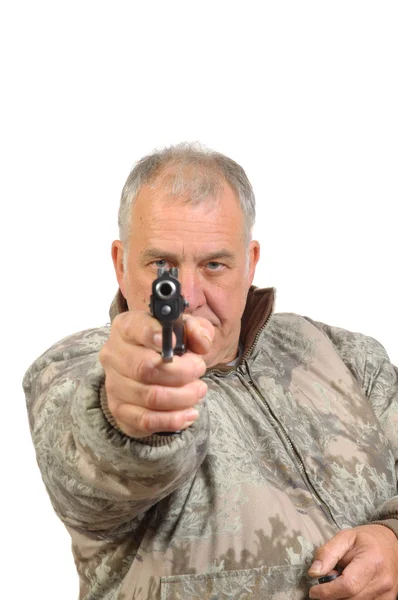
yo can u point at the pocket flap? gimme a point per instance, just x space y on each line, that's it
264 583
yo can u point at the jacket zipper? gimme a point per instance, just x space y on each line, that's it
275 422
281 432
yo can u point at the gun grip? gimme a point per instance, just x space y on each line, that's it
167 342
181 343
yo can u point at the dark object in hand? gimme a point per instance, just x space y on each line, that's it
167 305
328 578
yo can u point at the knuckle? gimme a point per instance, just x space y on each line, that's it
153 422
104 354
387 583
149 422
122 324
353 586
154 397
148 331
175 422
329 546
143 370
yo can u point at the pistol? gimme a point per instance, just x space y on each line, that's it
167 305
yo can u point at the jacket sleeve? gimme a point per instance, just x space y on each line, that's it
369 362
97 477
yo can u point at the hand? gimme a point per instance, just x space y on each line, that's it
146 395
369 556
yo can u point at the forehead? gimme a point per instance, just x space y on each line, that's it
157 209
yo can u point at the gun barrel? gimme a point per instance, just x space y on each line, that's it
167 305
165 289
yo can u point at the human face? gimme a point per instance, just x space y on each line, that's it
207 244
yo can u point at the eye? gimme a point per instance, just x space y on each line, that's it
160 263
213 265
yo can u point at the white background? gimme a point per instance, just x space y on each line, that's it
303 94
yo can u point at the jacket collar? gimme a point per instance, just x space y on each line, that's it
259 306
118 306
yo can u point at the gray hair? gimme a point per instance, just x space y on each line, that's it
195 172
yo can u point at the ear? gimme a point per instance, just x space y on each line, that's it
117 257
254 257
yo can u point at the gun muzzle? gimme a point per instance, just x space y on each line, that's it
167 305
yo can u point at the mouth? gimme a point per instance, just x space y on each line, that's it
211 318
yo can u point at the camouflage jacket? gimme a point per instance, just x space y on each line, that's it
296 442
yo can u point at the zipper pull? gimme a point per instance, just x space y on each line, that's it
249 377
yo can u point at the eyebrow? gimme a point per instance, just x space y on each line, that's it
152 253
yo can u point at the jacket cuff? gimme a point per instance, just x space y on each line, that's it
156 439
105 409
390 523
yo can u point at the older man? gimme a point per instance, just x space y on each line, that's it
224 474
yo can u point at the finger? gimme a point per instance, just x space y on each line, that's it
326 591
146 366
139 328
151 369
358 576
121 358
347 588
123 390
355 581
331 576
139 422
328 555
200 334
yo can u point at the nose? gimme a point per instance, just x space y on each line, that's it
192 289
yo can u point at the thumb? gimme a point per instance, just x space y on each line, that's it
328 555
200 333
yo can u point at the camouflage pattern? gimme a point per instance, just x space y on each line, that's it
295 443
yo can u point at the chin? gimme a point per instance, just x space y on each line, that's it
210 359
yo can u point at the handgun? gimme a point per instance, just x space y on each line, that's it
167 305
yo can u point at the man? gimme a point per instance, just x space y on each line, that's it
250 466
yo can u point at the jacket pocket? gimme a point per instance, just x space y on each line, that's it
263 583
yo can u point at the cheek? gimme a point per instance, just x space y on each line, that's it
217 300
138 293
228 305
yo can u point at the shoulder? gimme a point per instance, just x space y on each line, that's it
71 350
362 354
